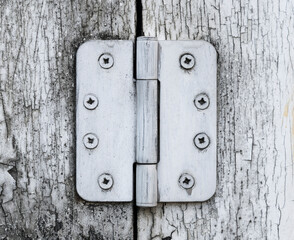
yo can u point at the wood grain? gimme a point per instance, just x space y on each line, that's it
254 197
38 42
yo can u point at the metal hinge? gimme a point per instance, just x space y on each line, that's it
165 121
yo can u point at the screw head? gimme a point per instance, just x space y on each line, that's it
90 101
187 61
90 141
186 181
201 141
105 181
201 101
106 61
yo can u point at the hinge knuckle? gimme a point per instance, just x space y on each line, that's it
147 122
146 185
147 57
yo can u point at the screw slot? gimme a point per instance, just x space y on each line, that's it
90 141
90 102
201 101
187 61
201 141
186 181
106 60
105 181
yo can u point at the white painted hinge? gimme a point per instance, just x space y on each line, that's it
165 121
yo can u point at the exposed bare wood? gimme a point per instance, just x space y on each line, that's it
38 42
254 197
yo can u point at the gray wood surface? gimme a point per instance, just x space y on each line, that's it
254 196
38 43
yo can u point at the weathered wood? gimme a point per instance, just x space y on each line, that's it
254 197
38 42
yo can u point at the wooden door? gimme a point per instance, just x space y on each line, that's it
38 43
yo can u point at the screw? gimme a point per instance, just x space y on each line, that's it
105 181
201 141
90 141
90 102
201 101
106 60
186 181
187 61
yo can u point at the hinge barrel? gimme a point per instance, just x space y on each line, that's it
147 122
